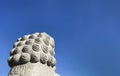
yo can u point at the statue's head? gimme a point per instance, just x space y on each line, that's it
33 48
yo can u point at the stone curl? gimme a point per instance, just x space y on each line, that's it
33 48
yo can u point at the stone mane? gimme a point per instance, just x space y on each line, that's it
31 50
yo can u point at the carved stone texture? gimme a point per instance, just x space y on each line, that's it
33 55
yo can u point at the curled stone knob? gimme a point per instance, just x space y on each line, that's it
20 44
16 58
15 44
28 42
49 62
25 57
46 41
35 47
44 48
47 36
39 35
52 43
37 40
43 58
35 57
53 62
51 50
24 38
11 52
10 61
15 51
18 39
32 36
26 49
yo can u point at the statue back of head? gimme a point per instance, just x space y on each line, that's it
33 55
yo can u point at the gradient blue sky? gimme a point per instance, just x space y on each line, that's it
87 33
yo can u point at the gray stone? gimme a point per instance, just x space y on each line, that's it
33 55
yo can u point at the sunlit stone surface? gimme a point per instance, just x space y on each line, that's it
33 55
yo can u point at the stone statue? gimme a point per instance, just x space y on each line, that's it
33 55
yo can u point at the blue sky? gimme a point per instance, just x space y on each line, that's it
86 32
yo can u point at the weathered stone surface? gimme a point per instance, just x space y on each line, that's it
33 55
